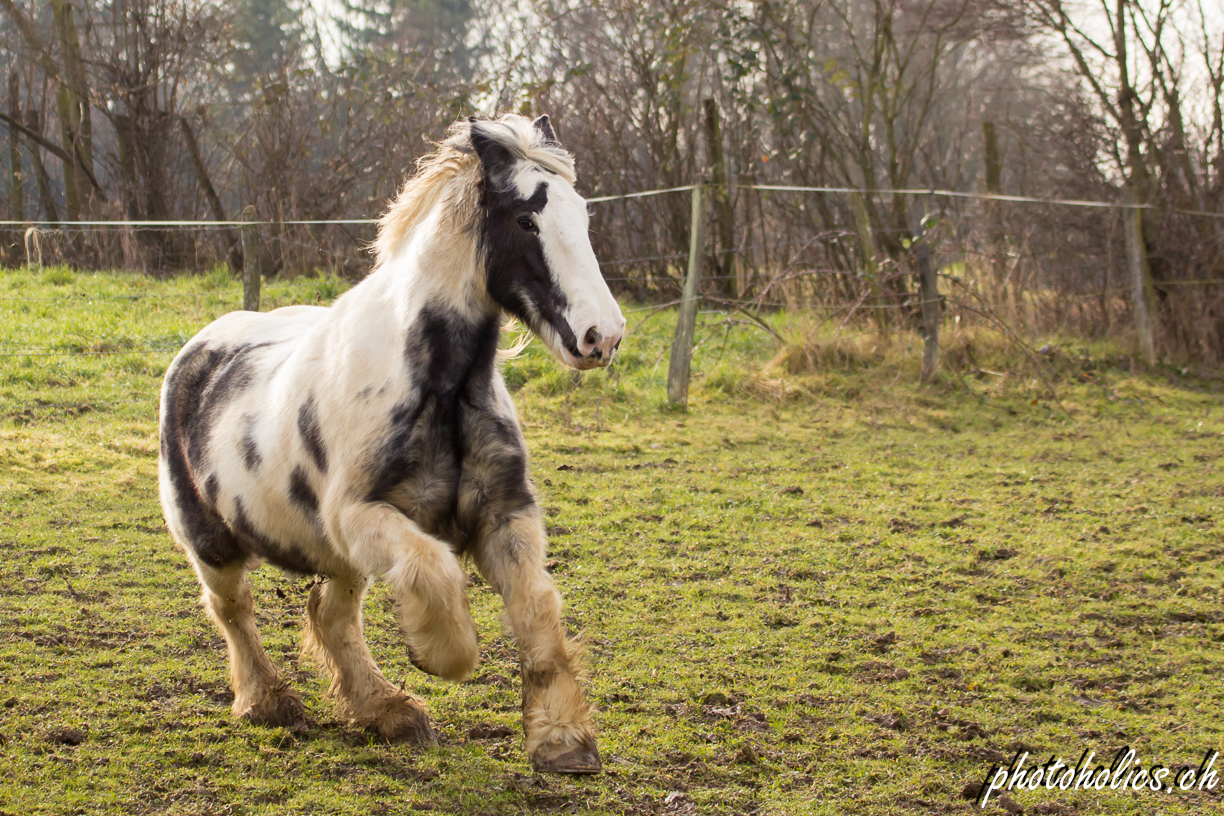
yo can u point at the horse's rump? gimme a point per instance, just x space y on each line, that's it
202 389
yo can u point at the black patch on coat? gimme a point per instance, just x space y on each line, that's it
288 557
312 434
422 462
302 494
456 353
250 453
233 372
494 486
451 359
183 411
517 275
212 486
251 456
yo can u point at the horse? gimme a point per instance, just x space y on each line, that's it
376 439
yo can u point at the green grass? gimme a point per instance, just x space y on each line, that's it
823 592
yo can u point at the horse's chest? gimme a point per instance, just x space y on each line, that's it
453 469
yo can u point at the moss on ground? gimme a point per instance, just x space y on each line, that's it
819 591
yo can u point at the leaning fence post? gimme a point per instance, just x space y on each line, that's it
1143 294
250 260
686 324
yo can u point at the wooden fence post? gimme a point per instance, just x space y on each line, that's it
686 324
250 260
928 288
1143 294
994 220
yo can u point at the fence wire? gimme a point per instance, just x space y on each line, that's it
792 266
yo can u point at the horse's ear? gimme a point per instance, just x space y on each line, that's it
494 157
545 127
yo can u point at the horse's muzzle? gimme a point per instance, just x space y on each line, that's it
598 348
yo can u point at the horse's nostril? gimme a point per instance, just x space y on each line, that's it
591 338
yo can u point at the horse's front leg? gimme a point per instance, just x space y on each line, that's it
429 586
556 715
428 582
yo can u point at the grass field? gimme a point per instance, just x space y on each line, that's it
814 593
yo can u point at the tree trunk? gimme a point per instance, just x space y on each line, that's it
50 213
72 199
16 183
722 203
129 185
214 201
1143 293
81 121
994 219
871 266
1140 182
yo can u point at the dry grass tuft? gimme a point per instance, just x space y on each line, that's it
814 354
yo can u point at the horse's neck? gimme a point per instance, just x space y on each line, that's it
433 293
439 267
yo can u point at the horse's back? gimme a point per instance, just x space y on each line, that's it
277 326
226 355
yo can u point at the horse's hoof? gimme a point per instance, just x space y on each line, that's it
281 708
403 720
568 759
456 662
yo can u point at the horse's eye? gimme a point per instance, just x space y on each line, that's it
528 224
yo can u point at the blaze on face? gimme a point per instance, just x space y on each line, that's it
539 263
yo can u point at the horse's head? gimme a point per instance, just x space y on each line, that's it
533 225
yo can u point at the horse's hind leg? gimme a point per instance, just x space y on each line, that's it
260 694
556 715
333 636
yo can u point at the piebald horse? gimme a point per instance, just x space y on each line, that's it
376 439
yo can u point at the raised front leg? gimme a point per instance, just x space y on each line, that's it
556 715
333 636
428 583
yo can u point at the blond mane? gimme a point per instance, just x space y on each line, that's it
450 175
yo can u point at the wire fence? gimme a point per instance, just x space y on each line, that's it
1039 263
783 188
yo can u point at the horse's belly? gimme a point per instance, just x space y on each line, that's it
261 510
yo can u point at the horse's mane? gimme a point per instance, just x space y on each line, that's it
451 174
